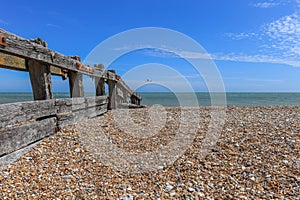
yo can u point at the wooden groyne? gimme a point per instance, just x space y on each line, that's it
24 123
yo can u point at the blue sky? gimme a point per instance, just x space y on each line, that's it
255 44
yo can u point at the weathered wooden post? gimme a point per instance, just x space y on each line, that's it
125 94
40 78
100 82
138 99
112 104
133 99
76 84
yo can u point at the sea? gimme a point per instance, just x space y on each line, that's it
171 99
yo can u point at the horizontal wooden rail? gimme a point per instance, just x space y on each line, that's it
17 51
24 123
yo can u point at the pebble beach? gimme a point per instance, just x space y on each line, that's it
256 156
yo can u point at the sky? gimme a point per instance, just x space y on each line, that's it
254 44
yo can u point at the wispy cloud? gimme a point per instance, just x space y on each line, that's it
263 80
285 32
254 79
239 36
256 59
278 43
269 4
52 25
234 57
177 53
279 40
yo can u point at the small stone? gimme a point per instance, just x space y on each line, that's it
77 150
285 161
200 194
172 194
191 189
169 187
268 176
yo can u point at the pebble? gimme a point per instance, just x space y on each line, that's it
285 161
251 160
169 187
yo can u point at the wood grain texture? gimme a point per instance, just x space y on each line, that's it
15 113
14 138
40 78
69 118
31 50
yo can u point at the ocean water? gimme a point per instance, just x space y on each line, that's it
170 99
234 98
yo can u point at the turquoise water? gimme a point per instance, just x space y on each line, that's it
170 99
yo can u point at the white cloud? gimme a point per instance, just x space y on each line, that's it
234 57
279 40
240 36
270 4
257 59
285 32
279 43
253 79
53 25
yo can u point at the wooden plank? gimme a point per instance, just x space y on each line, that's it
95 101
111 76
12 62
63 105
14 156
69 118
14 138
70 104
15 113
40 78
73 104
17 63
28 49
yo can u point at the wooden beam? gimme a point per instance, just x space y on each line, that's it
133 99
100 86
31 49
112 89
40 78
12 62
17 113
14 138
76 84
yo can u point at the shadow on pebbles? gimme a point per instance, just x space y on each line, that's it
256 155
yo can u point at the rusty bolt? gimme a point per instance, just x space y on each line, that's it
3 40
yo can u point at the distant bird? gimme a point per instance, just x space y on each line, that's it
149 80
